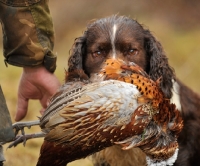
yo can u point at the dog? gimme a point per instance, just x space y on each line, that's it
125 38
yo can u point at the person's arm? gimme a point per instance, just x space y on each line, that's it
28 35
28 39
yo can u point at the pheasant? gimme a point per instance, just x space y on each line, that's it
166 118
122 106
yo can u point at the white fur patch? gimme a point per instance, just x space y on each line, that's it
113 40
167 162
176 95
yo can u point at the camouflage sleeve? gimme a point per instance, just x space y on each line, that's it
28 35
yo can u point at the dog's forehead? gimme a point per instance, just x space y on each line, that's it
108 23
114 28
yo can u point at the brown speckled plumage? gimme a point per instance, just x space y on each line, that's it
77 125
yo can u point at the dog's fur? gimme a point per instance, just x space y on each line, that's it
125 38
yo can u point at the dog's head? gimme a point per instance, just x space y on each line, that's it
123 38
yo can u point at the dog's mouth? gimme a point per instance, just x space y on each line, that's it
115 69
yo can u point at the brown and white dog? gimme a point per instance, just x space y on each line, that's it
125 38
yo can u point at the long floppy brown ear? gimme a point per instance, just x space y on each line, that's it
75 62
159 66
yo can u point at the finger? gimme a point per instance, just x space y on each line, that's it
44 102
42 111
22 107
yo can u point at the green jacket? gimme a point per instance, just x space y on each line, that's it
28 34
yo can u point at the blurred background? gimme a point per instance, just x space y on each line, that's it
174 23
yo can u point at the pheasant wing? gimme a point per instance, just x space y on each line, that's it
98 108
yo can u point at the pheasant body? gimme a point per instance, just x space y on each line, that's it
129 110
96 118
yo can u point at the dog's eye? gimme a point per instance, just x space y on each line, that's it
132 52
98 53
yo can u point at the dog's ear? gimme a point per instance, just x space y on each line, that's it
159 66
75 62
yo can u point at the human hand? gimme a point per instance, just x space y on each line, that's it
35 83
